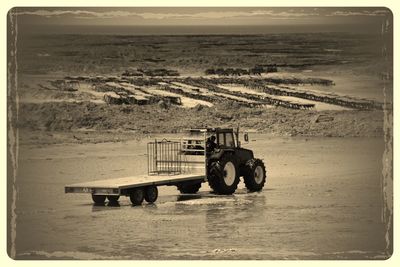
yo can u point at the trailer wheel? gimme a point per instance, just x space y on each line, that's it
188 188
254 175
224 175
113 199
151 194
98 199
137 196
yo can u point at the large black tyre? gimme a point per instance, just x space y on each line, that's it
151 194
189 188
113 199
137 196
254 175
224 175
98 199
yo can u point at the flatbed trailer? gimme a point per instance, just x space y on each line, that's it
180 163
124 185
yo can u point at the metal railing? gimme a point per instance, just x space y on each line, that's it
164 157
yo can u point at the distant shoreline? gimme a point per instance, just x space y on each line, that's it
173 30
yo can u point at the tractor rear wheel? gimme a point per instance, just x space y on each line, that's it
224 175
98 199
254 175
189 188
137 196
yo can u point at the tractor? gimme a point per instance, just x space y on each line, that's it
226 161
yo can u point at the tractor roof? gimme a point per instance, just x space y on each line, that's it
209 130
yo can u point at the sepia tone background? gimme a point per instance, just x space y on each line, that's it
329 167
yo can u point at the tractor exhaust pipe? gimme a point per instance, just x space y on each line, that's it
237 136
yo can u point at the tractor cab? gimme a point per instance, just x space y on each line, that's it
227 142
226 139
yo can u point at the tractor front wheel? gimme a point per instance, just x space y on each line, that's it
224 175
254 175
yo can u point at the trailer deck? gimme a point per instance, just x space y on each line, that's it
123 185
181 163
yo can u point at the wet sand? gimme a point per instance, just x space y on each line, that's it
322 200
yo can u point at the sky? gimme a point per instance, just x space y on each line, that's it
205 16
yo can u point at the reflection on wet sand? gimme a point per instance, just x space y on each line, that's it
298 215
